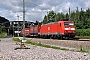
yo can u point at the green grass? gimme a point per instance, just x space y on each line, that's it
40 44
83 37
47 46
16 39
82 51
3 35
44 45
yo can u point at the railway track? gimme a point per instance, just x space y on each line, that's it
75 43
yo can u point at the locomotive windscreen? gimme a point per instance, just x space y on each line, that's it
68 24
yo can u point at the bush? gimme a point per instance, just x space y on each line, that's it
3 34
82 32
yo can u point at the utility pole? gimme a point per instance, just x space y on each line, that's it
55 17
23 20
77 13
69 14
47 16
13 29
18 24
22 45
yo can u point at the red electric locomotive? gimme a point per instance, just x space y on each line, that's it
61 29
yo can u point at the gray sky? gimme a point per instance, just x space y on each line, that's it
37 9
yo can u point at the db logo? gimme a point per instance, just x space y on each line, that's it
48 28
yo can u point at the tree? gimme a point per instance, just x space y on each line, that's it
37 22
4 22
66 15
81 18
45 20
51 16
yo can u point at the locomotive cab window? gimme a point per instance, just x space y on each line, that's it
68 24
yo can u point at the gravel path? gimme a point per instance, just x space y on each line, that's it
7 52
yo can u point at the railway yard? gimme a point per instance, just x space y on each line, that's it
7 52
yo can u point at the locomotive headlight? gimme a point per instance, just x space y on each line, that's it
69 28
66 28
72 28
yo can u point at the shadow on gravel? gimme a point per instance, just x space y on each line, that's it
21 48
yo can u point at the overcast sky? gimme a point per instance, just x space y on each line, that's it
37 9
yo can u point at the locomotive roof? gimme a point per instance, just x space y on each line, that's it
50 23
58 21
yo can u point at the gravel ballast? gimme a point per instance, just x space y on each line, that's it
7 52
